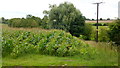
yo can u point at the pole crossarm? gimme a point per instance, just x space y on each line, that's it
98 3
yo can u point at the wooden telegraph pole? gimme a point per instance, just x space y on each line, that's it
97 20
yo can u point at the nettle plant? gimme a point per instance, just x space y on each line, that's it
55 42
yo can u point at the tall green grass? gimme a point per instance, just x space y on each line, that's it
0 45
91 54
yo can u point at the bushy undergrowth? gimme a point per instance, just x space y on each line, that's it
100 24
114 32
90 33
87 32
56 42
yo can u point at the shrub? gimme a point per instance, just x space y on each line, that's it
87 32
99 24
22 22
115 32
93 35
77 27
57 43
105 24
103 34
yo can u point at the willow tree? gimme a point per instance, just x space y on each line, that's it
66 17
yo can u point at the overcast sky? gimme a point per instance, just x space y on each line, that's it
20 8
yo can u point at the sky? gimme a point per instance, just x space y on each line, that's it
20 8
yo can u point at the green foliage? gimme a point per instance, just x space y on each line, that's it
3 20
83 37
101 19
115 32
95 57
57 43
45 23
78 26
87 31
30 21
99 24
93 35
66 17
103 35
108 19
93 19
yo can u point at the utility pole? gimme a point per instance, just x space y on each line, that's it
97 20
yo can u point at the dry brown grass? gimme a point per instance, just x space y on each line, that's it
36 30
103 45
108 21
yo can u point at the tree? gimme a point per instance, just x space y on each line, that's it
88 29
103 35
66 17
77 27
28 16
115 32
108 18
30 21
14 22
101 19
37 20
3 20
45 22
93 19
87 19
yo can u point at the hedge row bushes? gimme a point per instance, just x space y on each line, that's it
101 24
115 32
22 22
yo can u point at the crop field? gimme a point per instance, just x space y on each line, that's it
40 47
108 21
58 35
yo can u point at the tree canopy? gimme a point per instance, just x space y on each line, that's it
29 21
66 17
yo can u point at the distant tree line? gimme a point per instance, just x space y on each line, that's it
98 19
29 21
64 17
3 20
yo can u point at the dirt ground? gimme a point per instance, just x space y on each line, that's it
107 21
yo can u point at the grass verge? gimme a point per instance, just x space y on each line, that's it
104 57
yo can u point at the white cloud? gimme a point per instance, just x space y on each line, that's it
20 8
